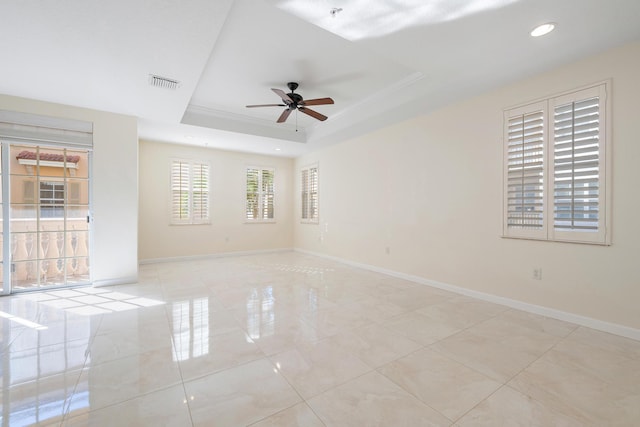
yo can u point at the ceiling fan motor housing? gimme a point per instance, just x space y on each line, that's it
295 98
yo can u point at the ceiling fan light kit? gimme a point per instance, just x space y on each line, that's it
294 101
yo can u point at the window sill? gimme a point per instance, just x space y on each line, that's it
576 241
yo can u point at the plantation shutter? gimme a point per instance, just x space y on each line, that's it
200 192
304 185
180 212
525 166
251 209
309 194
189 192
578 167
556 166
313 191
267 194
260 194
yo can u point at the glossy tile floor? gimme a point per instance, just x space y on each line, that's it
288 339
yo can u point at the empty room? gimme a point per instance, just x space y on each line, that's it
320 213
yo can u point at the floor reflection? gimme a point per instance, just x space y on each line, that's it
191 328
260 313
41 366
319 345
91 301
21 321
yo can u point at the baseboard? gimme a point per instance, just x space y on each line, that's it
212 256
600 325
117 281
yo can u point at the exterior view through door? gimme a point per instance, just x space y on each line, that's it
45 200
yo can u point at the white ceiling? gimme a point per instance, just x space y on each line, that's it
380 60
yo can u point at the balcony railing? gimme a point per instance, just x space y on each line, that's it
46 253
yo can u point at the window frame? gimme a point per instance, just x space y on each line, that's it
260 194
549 231
53 206
190 218
306 195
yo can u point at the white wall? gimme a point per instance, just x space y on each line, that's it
227 232
114 185
430 189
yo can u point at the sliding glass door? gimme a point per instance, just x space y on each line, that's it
45 201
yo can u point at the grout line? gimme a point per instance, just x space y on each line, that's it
581 320
506 383
67 403
175 354
291 278
480 403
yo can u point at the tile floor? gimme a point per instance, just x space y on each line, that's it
288 339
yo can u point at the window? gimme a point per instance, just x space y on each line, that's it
52 199
556 168
189 192
260 194
309 194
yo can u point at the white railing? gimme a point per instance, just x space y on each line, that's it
49 254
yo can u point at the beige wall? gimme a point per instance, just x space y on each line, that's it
430 190
114 186
227 232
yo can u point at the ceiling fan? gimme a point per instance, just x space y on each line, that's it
294 101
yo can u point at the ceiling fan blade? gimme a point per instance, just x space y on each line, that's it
266 105
318 101
283 95
283 116
313 114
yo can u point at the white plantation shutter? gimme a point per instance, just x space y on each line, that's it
200 192
180 192
526 170
578 142
260 194
313 194
524 174
189 192
304 185
555 169
309 194
267 194
252 203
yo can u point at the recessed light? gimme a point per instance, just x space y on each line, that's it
543 29
278 149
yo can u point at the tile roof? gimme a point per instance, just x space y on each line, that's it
51 157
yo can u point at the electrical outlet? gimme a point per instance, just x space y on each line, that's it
537 273
387 250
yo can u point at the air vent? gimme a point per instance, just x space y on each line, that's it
163 82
